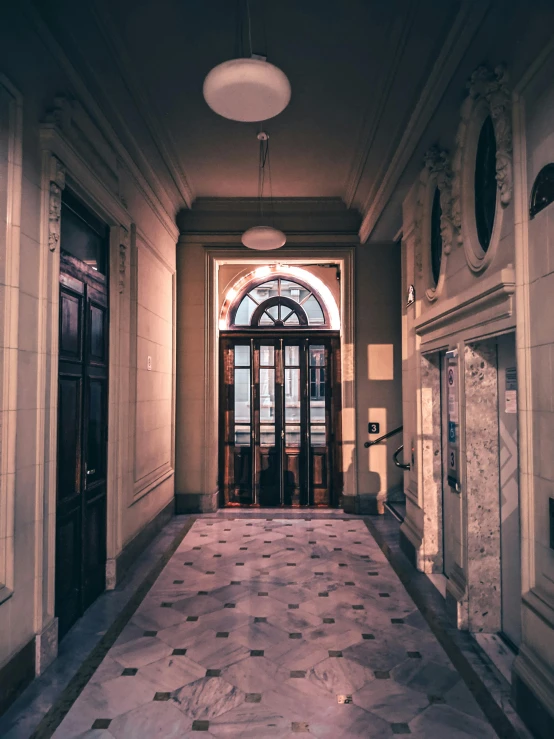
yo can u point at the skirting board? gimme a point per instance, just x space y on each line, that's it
118 567
16 675
196 502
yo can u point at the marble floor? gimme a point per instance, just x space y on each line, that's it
276 628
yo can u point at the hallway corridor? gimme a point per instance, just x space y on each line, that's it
272 628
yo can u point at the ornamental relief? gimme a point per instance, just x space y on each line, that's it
490 87
437 173
123 248
57 184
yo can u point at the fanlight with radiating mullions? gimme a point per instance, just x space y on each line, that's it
280 303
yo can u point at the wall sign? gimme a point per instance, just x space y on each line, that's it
453 442
373 428
411 296
510 394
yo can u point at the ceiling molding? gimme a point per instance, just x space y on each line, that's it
398 33
161 137
461 34
143 175
325 217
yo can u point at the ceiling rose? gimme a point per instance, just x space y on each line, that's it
247 90
263 238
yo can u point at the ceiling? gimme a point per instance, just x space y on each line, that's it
374 83
356 69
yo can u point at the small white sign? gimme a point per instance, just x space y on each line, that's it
511 401
149 363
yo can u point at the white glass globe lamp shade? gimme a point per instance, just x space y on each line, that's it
263 238
247 90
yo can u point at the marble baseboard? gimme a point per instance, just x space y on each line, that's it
196 502
117 568
46 646
16 675
531 710
363 504
408 548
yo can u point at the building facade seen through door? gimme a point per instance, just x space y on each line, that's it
82 413
280 400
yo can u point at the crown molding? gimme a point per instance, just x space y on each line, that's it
469 18
323 217
398 35
161 137
136 163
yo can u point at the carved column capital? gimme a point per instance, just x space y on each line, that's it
123 248
56 178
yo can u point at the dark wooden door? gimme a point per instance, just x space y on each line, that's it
279 431
82 440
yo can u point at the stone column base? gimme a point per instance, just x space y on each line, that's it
196 502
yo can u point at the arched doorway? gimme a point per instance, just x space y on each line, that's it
280 396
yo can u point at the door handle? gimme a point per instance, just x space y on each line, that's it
91 472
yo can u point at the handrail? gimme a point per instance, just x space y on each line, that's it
382 438
395 459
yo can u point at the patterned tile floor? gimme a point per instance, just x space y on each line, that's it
276 628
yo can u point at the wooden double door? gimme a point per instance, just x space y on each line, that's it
280 430
82 440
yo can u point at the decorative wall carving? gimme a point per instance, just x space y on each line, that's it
437 172
57 184
491 87
123 248
437 162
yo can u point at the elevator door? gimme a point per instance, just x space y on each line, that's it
510 542
279 429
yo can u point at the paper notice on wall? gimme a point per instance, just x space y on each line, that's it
452 385
510 401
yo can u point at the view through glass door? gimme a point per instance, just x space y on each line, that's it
279 420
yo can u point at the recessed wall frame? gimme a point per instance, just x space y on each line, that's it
542 193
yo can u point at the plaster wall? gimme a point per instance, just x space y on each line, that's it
142 264
378 373
534 116
465 313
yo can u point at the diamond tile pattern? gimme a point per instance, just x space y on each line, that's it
331 654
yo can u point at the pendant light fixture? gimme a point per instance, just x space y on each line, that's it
264 238
247 89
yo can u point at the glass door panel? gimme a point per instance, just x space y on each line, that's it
278 432
267 433
293 453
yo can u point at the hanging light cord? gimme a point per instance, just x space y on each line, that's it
264 152
249 26
263 161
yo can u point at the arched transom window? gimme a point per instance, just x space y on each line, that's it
279 303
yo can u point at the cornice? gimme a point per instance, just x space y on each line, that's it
398 37
461 34
136 164
496 292
161 137
321 217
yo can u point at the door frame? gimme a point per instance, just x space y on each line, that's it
301 254
61 167
330 337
